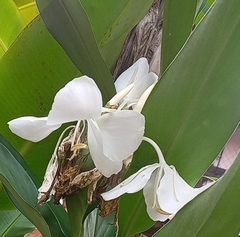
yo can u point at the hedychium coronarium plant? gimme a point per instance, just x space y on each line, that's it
108 137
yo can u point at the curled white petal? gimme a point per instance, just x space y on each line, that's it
149 192
32 128
141 102
173 192
121 132
140 86
102 163
139 69
80 99
132 184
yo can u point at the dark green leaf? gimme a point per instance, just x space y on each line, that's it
14 224
24 193
69 24
112 29
178 20
77 205
97 226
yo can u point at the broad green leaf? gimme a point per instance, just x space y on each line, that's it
195 93
97 226
31 73
178 18
112 29
193 110
213 213
68 23
27 9
24 193
14 224
10 17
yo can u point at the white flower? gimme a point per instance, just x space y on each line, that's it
165 192
112 137
132 83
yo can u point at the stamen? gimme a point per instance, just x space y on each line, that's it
60 139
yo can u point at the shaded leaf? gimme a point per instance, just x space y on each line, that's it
178 18
24 193
68 23
14 224
111 31
77 205
97 226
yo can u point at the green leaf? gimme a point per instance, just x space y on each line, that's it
133 224
97 226
194 94
39 68
178 20
194 109
77 205
14 224
27 9
10 17
210 211
24 193
68 23
112 30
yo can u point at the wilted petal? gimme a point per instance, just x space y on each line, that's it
102 163
32 128
132 184
139 69
173 192
122 133
48 181
80 99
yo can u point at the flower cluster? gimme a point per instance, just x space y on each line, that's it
109 135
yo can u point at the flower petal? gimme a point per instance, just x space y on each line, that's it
122 133
79 99
102 163
149 193
139 69
132 184
32 128
140 86
173 192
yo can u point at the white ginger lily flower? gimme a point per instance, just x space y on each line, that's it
132 83
164 190
112 137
